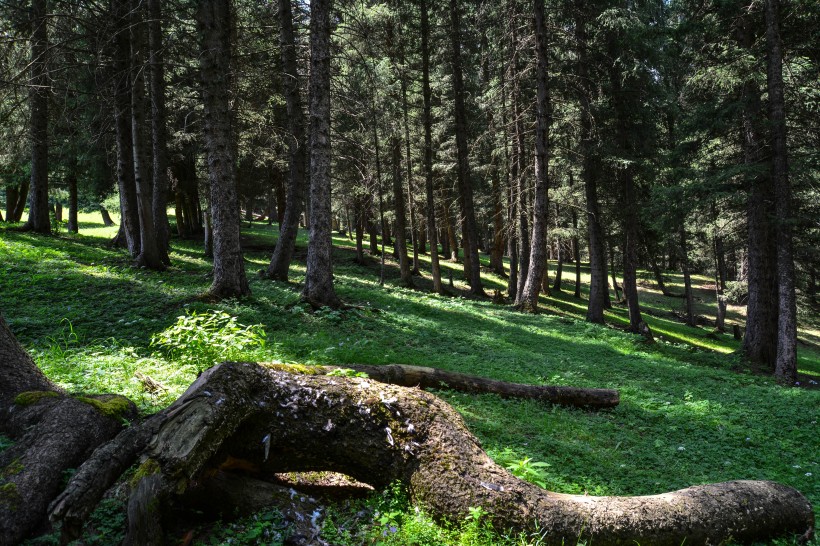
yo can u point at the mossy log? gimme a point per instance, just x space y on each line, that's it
54 433
277 421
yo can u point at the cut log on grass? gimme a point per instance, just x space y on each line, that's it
432 378
277 421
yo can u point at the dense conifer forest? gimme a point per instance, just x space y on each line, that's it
584 234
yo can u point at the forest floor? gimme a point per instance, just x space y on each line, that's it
691 411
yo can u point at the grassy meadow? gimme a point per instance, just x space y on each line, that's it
691 411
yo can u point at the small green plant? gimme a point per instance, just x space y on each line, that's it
201 340
61 345
525 469
477 513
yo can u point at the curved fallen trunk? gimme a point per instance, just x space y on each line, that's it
275 421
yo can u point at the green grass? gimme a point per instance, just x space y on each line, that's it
686 417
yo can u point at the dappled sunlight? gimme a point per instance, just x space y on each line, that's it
682 408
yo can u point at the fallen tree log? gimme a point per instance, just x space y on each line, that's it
433 378
278 421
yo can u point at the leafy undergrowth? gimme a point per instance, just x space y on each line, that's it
687 415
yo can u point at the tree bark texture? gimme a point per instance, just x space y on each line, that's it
297 150
760 338
149 255
428 149
625 175
522 220
106 217
465 187
38 96
528 297
19 372
277 421
16 199
687 279
129 214
12 193
71 180
786 359
576 247
319 289
408 165
215 26
159 130
511 169
400 212
597 256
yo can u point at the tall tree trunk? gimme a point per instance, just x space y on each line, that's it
465 188
12 195
414 232
559 270
129 209
510 173
590 172
628 199
372 232
656 271
289 226
687 279
760 338
528 297
380 189
400 211
150 255
71 180
497 248
319 289
576 250
452 240
630 252
612 270
720 319
106 218
521 193
215 21
39 90
720 255
159 130
18 207
786 361
432 229
360 219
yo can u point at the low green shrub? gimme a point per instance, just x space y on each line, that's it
201 340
